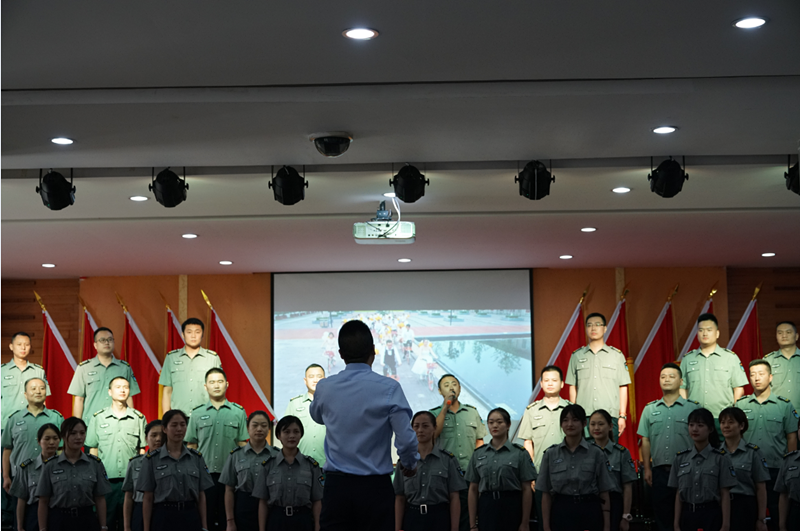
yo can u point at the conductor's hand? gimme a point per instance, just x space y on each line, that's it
409 473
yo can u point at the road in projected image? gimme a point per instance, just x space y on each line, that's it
488 350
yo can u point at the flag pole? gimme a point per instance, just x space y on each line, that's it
119 300
210 316
163 298
755 293
674 328
39 300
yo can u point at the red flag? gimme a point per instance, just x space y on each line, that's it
658 349
573 338
746 338
89 327
691 342
617 336
174 334
58 363
146 368
247 392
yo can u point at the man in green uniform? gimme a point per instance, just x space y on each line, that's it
216 428
712 376
772 425
184 373
313 442
785 364
15 373
459 430
598 375
89 385
540 427
19 437
664 428
115 434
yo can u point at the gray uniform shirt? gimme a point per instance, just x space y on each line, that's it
14 379
506 468
173 480
542 425
620 465
786 375
313 442
290 485
579 473
91 381
244 465
131 475
71 485
187 377
699 476
598 377
27 480
788 479
750 466
667 428
437 476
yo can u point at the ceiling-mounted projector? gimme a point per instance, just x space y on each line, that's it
381 230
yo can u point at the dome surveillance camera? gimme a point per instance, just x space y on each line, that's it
332 144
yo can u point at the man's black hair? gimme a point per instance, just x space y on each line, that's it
675 366
102 329
193 321
216 370
708 317
314 366
790 323
439 385
355 342
553 368
29 337
596 314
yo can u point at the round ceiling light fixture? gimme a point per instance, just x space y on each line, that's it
767 255
566 257
621 190
404 260
750 22
225 262
138 198
61 141
588 229
360 34
48 266
189 236
665 129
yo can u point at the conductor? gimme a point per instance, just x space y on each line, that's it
360 410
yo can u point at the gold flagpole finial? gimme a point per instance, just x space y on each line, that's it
205 297
673 293
584 294
119 300
758 288
163 298
711 295
624 294
83 304
40 301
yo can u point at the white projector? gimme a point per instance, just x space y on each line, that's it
384 232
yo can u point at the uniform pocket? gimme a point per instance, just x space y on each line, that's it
685 478
231 429
722 374
710 483
775 426
558 477
274 483
656 427
609 372
178 374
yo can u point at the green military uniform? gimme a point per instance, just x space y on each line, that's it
542 425
506 468
667 427
27 479
13 394
313 442
700 476
438 475
187 377
750 466
620 465
598 377
786 375
117 438
582 473
217 432
72 485
20 434
769 422
461 431
710 380
173 480
244 465
131 475
289 485
91 382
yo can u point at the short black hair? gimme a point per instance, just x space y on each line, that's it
193 321
703 416
553 368
607 417
26 334
44 427
761 361
423 413
708 317
167 416
118 378
215 370
596 314
70 424
152 424
257 413
314 366
355 342
737 415
675 366
287 421
790 323
29 380
102 329
576 411
503 413
439 385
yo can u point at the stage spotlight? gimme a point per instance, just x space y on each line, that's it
667 179
55 191
288 186
793 178
534 180
409 184
168 188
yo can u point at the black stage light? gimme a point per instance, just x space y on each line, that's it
409 184
288 186
168 188
56 192
793 177
667 179
534 180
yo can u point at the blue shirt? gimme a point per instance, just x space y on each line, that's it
360 409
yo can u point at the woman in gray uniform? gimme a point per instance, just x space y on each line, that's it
132 507
788 484
621 467
749 496
72 485
241 471
429 500
24 486
499 476
290 485
173 480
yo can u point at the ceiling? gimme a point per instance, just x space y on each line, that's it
461 91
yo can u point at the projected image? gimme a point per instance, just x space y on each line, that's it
488 350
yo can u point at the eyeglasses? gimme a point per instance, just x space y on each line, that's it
105 340
594 325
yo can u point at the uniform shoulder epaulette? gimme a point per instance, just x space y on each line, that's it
196 452
615 348
94 457
49 458
212 352
790 453
195 407
313 461
138 413
729 350
469 405
296 397
532 404
719 451
237 405
551 446
619 447
135 457
25 463
576 350
753 446
653 402
520 447
684 451
695 402
173 351
784 399
98 412
451 454
151 453
237 449
37 365
84 362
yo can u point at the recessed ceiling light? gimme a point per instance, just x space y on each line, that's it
665 130
138 198
189 236
404 260
621 190
566 257
225 262
61 141
767 255
588 229
750 22
360 34
49 266
389 194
